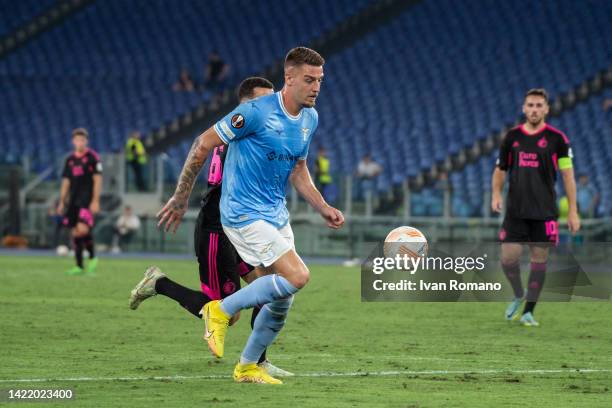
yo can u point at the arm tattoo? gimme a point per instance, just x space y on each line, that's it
193 164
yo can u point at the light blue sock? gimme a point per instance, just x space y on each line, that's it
267 325
259 292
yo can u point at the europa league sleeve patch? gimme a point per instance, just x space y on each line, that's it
237 121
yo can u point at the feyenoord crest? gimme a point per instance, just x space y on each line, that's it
542 143
237 121
305 133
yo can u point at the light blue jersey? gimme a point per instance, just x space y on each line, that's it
265 144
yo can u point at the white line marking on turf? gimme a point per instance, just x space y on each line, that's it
322 374
387 358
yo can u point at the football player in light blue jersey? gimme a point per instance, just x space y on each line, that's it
266 143
269 139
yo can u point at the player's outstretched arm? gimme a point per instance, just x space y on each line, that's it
569 183
301 180
497 184
172 213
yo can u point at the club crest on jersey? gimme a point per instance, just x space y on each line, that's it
305 133
237 121
542 143
515 144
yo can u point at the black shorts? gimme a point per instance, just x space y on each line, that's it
75 214
219 263
523 231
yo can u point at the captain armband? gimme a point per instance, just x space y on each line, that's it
565 163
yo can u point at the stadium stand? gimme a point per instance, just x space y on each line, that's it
433 93
445 75
110 68
17 13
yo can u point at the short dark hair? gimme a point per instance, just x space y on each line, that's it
302 55
80 132
247 87
537 92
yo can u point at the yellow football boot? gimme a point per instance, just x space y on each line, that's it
215 327
252 373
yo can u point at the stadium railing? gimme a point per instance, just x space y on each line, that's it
369 219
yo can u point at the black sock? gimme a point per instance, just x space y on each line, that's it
192 300
536 281
256 310
513 273
89 245
78 251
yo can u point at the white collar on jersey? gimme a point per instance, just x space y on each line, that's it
282 105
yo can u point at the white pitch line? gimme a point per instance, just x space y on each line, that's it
330 357
322 374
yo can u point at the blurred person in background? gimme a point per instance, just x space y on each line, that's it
587 197
184 83
323 178
216 72
367 172
126 227
136 157
80 198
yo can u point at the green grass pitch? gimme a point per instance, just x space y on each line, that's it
78 332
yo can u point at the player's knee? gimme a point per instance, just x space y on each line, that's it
300 277
252 275
81 230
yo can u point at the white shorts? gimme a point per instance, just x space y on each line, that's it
261 243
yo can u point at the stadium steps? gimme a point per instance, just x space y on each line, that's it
347 33
45 21
590 87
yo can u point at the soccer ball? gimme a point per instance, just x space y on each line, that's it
407 241
62 250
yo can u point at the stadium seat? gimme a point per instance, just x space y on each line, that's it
111 66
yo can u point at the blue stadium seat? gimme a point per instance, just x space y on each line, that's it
111 66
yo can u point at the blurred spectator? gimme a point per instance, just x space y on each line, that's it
185 82
607 104
323 178
216 72
136 156
587 197
367 172
125 228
